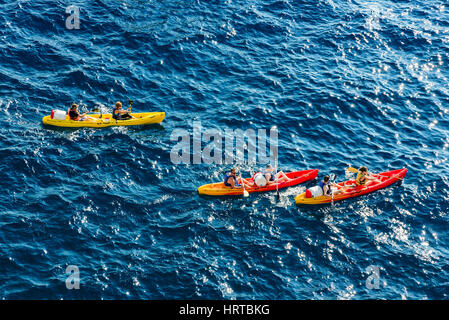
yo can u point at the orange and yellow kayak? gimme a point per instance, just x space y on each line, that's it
219 189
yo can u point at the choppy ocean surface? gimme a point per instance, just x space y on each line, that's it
346 82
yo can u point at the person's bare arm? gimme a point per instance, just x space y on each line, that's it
268 178
371 177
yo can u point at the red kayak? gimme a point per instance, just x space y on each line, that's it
350 189
219 189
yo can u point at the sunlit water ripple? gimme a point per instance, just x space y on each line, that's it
346 82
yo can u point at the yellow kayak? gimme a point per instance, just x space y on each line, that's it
105 120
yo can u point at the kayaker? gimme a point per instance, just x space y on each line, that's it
363 177
119 114
272 178
76 116
231 179
324 188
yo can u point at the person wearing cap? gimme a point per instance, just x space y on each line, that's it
119 114
76 116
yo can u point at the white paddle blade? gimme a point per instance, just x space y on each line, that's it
245 193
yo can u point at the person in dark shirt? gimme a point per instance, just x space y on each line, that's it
231 180
119 114
76 116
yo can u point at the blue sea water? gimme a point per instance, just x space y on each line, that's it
346 82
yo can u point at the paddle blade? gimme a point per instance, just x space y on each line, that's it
353 170
245 193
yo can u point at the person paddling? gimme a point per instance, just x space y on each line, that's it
363 177
231 179
324 188
76 116
119 114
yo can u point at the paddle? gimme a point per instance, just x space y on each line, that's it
245 193
276 177
351 169
354 170
330 187
89 111
130 109
96 109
